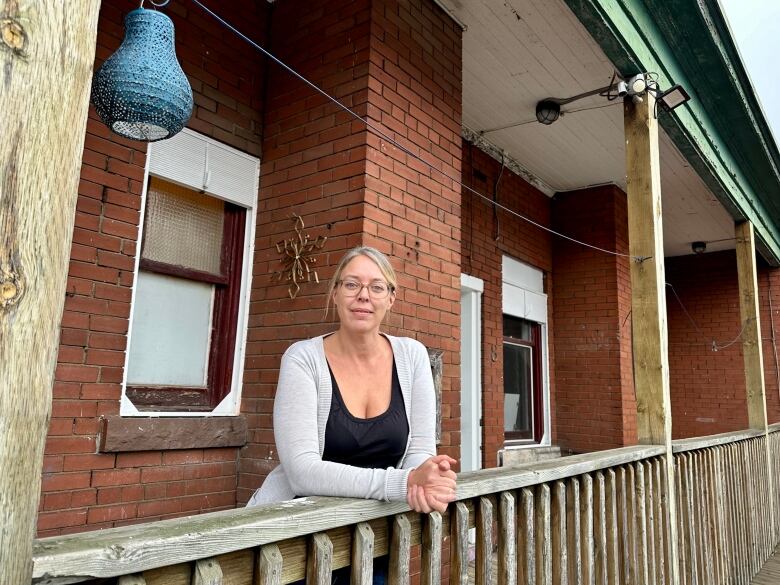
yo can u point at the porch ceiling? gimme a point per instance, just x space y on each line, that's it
517 52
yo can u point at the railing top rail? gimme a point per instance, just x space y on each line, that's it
132 549
683 445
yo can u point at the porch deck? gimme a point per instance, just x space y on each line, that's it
770 572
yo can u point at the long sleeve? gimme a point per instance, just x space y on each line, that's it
422 416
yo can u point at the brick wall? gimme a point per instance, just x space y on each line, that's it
400 67
486 237
83 489
708 387
596 408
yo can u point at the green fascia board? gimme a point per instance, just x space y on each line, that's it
721 131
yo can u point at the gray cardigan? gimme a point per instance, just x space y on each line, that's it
301 409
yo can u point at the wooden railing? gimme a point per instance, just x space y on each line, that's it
591 518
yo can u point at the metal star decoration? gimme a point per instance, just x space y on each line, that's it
297 260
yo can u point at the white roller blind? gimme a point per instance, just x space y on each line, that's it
206 165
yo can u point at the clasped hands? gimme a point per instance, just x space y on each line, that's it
431 486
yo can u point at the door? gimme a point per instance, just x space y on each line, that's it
471 373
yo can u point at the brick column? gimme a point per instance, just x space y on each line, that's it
400 66
592 301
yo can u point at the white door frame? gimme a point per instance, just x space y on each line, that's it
471 289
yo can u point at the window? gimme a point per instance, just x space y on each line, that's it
526 392
523 409
188 316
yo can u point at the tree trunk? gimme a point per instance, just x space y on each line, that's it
47 51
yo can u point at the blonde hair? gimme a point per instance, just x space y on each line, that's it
382 262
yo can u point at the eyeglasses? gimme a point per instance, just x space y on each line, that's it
376 289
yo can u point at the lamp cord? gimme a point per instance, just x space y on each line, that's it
404 149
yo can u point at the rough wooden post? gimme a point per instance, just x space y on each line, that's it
648 302
47 51
752 351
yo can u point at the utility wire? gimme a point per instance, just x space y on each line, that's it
382 134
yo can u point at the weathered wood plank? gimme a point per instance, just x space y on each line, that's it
526 539
48 53
586 531
544 558
641 523
698 443
573 515
207 572
613 537
131 580
363 555
649 520
319 565
558 534
600 529
459 545
507 540
484 549
269 566
623 526
431 550
400 551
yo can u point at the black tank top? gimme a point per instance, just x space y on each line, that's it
378 442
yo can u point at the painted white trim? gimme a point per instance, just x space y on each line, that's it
523 296
230 405
471 368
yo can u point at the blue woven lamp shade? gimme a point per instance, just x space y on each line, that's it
141 92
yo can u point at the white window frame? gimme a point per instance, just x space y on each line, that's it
198 162
471 289
523 297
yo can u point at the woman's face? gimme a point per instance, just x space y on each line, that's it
362 312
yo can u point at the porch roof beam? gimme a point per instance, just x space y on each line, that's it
635 35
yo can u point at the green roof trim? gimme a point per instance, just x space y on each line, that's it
721 131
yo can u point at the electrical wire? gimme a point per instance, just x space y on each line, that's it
379 132
715 346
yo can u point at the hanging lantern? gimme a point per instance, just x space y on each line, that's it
141 92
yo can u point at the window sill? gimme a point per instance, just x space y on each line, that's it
123 434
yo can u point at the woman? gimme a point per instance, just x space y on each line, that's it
354 412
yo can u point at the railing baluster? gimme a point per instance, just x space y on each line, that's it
400 551
682 552
526 539
320 561
649 495
543 537
459 545
586 528
431 550
706 518
633 526
269 566
613 537
641 523
660 513
574 530
600 529
207 572
484 561
624 531
507 540
558 525
136 579
362 555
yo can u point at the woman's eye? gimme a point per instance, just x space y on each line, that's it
377 288
351 286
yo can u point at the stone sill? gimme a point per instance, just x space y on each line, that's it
124 434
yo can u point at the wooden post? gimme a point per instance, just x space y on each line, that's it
648 294
47 51
752 350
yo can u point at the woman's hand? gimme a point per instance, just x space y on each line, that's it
431 486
